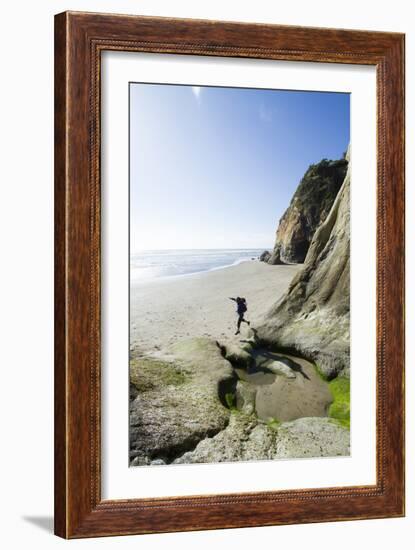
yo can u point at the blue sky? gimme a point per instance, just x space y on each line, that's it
216 167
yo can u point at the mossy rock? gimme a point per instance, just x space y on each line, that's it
195 349
273 423
177 401
149 374
231 401
339 410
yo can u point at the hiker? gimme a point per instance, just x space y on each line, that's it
241 308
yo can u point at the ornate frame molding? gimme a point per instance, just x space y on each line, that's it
79 40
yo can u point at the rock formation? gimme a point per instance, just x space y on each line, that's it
309 207
176 404
265 256
246 439
199 407
313 317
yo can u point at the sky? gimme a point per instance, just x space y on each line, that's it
214 167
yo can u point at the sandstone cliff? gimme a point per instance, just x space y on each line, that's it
313 317
309 207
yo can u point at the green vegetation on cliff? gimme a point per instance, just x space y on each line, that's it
309 207
318 188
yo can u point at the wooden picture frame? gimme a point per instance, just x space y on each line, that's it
79 40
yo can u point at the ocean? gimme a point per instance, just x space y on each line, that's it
154 264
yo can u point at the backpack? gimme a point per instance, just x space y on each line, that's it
242 306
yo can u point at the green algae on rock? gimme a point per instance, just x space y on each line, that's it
339 410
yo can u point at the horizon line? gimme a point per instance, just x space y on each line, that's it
201 248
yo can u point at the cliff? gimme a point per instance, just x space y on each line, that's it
309 207
313 317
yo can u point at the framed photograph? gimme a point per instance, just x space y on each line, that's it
229 275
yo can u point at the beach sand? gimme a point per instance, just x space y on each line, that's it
185 413
165 311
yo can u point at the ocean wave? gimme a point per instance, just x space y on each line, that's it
148 265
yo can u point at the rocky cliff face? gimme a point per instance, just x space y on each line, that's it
309 207
313 317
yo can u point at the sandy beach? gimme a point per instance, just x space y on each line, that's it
167 310
193 402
